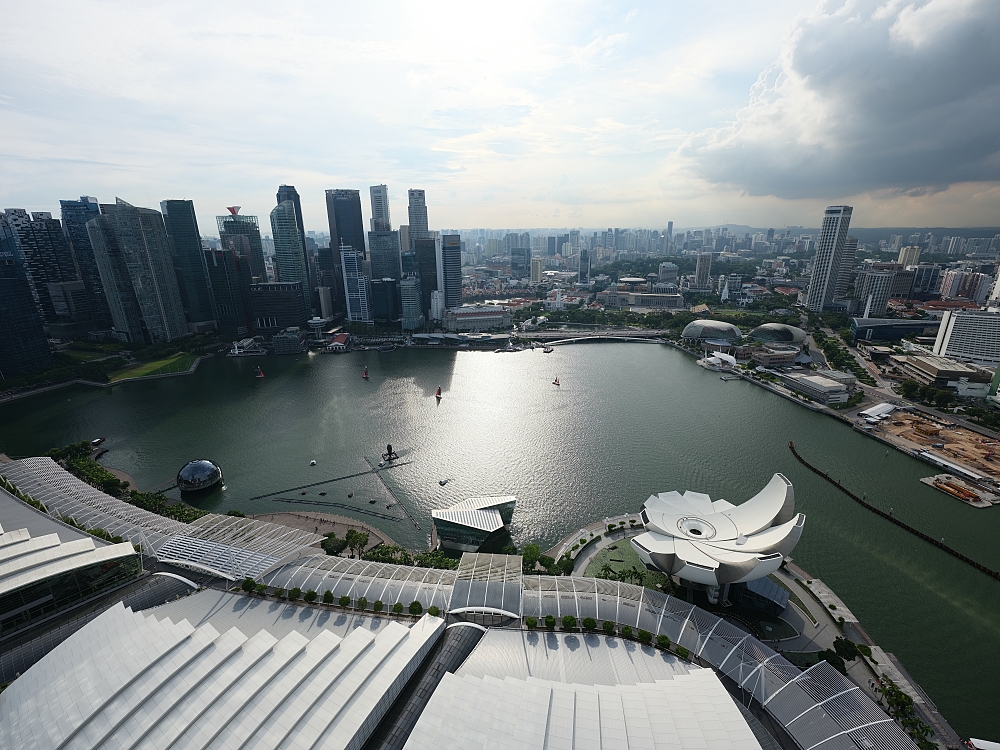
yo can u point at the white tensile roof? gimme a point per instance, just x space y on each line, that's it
476 512
130 680
689 710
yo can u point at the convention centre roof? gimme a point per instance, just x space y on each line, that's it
53 549
482 513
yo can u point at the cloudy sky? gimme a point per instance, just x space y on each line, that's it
524 114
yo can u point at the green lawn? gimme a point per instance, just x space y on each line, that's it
174 363
623 558
84 356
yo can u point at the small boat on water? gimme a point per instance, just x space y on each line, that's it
350 494
371 502
313 462
443 482
437 393
387 348
322 494
556 381
548 350
260 373
365 374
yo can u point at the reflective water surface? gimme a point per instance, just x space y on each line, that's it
627 420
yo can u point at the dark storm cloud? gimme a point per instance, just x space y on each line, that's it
895 96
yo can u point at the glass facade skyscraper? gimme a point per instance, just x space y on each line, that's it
189 263
230 276
23 347
48 259
829 257
75 215
347 227
380 208
427 262
242 235
289 248
383 251
355 286
451 270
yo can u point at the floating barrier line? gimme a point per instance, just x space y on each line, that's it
391 492
328 481
892 519
326 504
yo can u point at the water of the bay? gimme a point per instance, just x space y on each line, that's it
627 421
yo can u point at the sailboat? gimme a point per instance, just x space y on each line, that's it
437 393
556 381
365 374
260 372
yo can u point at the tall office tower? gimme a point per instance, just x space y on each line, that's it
909 255
355 286
290 264
829 257
385 301
383 251
520 262
289 193
242 235
276 306
703 271
75 215
347 227
16 219
126 317
846 266
380 209
48 258
23 347
450 270
230 276
895 243
411 301
550 246
670 234
668 273
417 210
537 266
189 264
584 266
427 262
873 289
574 238
404 237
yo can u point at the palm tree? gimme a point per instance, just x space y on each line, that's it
607 572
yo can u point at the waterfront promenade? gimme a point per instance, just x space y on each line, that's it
326 523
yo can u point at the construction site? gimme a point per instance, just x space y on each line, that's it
970 459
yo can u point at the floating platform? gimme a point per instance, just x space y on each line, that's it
960 489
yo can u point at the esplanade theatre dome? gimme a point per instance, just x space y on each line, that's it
711 329
199 474
778 333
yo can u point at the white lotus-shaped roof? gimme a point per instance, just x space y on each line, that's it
716 542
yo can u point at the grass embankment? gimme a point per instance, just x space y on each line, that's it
180 362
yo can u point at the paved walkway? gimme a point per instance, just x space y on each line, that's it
324 523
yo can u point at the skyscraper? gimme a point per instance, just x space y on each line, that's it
75 215
450 270
829 257
347 227
427 261
23 347
380 210
355 286
873 290
289 193
289 248
537 265
909 255
189 264
411 301
520 262
584 266
47 256
242 235
417 209
383 251
846 266
703 271
231 277
133 255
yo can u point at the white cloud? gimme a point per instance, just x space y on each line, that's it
868 96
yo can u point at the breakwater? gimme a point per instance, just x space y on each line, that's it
892 519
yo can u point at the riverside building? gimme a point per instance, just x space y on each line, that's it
23 346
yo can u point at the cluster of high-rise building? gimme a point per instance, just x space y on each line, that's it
140 276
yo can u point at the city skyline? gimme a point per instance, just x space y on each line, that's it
636 115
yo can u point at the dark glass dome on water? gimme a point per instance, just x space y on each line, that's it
200 474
